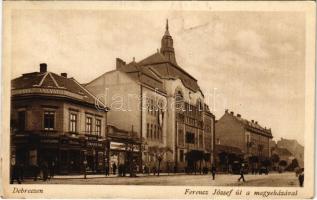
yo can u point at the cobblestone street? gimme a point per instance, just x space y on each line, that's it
273 179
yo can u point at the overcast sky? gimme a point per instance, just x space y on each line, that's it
255 60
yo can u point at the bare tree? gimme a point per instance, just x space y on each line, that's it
158 153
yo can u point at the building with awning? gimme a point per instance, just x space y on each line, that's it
124 148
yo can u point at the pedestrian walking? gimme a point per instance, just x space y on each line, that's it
241 173
301 178
107 170
213 172
114 168
154 170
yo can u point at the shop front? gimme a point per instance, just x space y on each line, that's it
66 153
96 154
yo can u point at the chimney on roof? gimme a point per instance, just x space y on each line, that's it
43 67
133 59
232 113
119 63
252 121
256 122
226 111
64 75
238 115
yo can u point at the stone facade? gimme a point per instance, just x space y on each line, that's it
157 84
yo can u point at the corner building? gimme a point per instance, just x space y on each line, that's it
164 105
54 119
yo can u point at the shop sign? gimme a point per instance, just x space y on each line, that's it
117 146
92 137
94 144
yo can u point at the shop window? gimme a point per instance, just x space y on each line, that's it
73 123
98 127
49 118
21 120
88 125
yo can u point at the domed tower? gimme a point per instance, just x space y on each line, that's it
167 48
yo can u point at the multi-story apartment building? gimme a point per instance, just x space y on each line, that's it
294 147
54 120
248 138
162 102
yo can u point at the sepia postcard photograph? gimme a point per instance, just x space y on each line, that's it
158 100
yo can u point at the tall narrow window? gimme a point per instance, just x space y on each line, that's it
21 120
155 136
152 107
148 105
88 125
147 130
49 118
98 127
151 129
73 123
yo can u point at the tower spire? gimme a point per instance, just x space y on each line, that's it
167 24
167 48
166 28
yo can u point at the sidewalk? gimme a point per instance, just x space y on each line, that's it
94 176
89 176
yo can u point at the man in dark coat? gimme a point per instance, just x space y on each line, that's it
15 173
241 173
213 172
301 178
107 170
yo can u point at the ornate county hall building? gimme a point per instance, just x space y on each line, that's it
163 104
